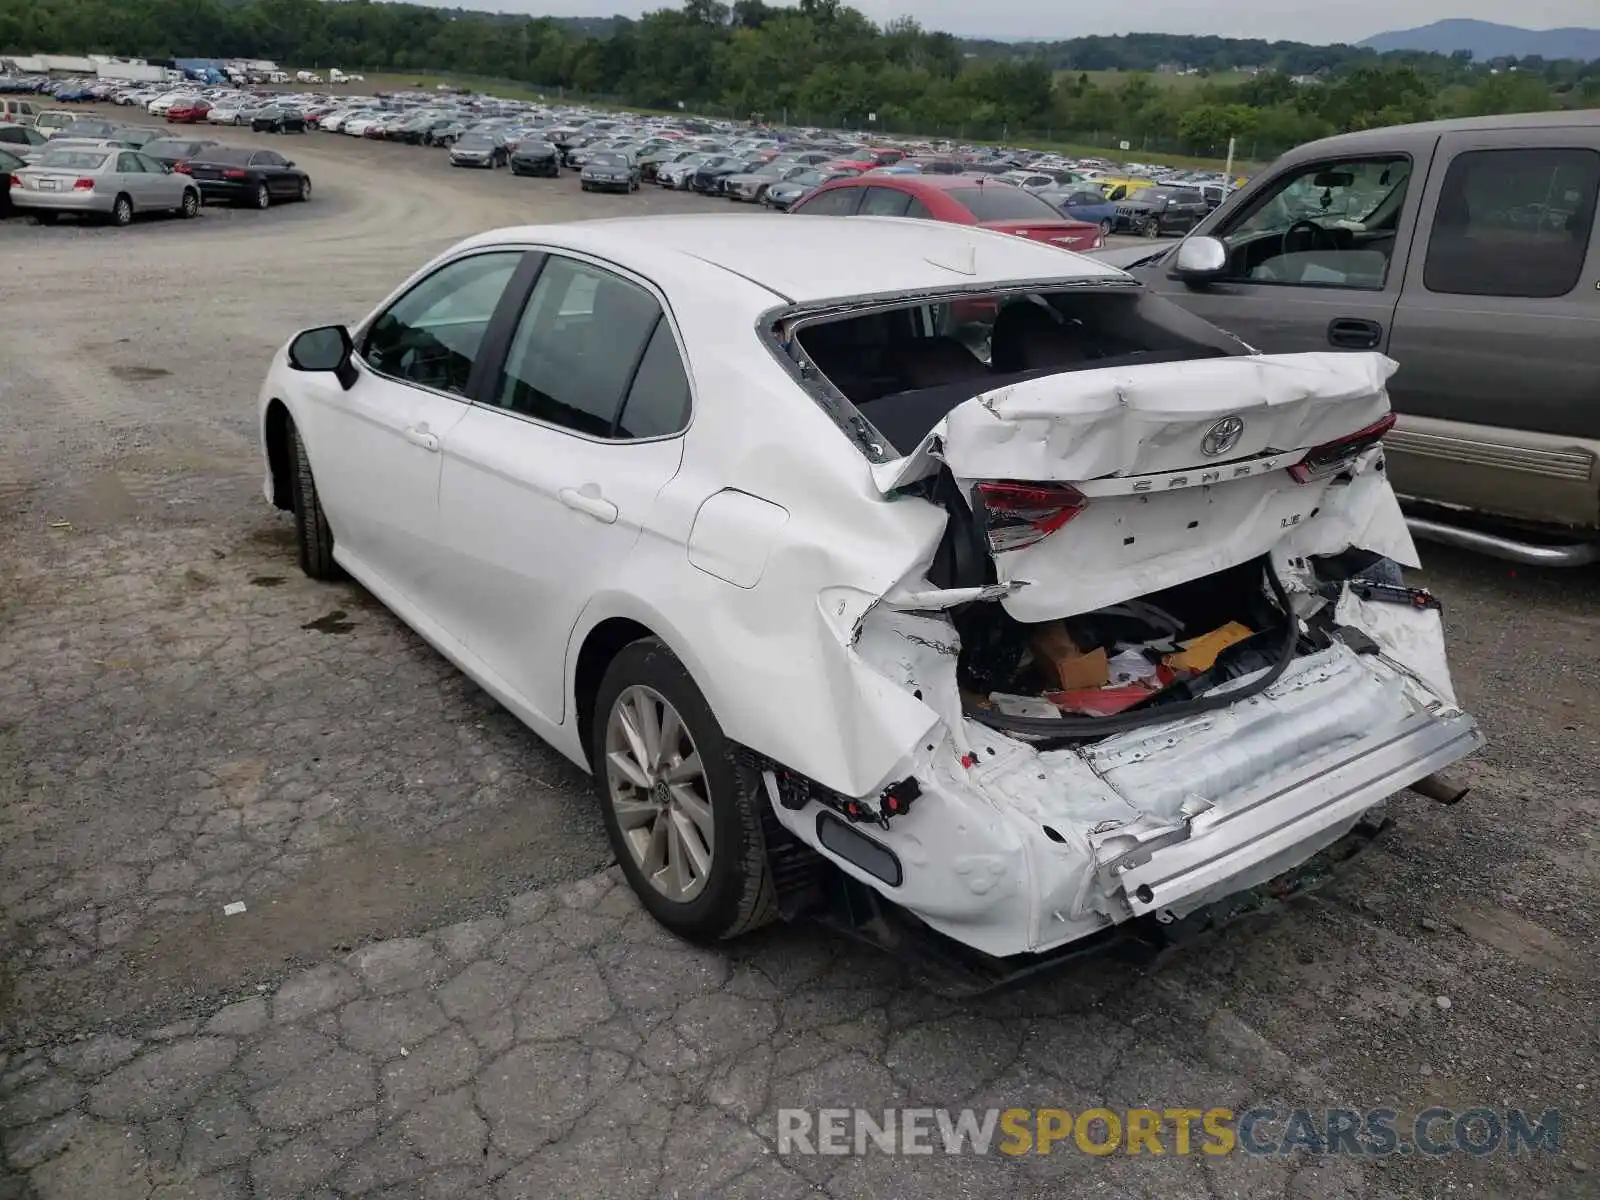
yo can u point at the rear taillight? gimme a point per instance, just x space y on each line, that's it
1014 515
1330 457
83 185
16 181
235 173
182 168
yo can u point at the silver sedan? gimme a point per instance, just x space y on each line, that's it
105 183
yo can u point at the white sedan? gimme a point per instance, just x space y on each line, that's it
936 569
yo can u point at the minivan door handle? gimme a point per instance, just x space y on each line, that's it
1354 333
588 500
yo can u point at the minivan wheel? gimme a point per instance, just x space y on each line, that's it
263 196
313 536
682 813
122 211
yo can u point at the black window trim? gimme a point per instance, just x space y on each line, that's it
482 391
358 336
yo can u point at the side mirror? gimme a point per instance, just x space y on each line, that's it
328 348
1200 260
290 163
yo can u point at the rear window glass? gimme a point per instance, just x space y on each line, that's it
906 368
1001 202
71 160
228 154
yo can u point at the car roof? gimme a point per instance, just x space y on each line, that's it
806 259
1408 136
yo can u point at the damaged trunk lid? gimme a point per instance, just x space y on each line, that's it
1092 487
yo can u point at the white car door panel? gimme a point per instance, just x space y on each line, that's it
552 477
377 449
376 457
534 522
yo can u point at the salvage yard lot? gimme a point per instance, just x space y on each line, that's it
185 721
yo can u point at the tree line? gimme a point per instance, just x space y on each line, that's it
822 62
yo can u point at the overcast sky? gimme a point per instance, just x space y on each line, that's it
1316 21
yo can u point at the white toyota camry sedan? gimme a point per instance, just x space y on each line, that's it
901 570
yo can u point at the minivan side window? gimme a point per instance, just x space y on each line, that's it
1327 224
1513 223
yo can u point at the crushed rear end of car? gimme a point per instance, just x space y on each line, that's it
1152 668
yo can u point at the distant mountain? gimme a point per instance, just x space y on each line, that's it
1486 41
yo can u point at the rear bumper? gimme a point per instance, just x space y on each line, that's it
67 202
1261 834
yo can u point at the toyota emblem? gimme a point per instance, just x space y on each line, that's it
1222 437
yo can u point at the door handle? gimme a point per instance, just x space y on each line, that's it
1354 333
589 501
418 435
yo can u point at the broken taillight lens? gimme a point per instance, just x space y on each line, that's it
1328 458
1015 515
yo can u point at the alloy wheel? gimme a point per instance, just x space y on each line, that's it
658 790
263 197
122 211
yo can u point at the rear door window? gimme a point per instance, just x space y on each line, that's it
1513 223
884 202
835 202
581 340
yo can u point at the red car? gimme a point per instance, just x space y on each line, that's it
958 199
188 114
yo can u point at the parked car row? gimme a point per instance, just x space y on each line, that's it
118 174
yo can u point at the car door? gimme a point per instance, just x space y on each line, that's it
553 473
376 449
1498 329
161 178
129 176
1309 256
272 166
157 187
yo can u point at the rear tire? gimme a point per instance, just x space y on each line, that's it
263 197
313 536
45 218
729 886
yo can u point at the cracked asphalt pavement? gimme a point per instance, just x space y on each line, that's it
439 989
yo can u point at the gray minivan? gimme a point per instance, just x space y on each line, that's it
1465 250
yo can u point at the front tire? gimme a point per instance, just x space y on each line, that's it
1152 228
305 191
190 208
682 812
313 536
122 212
1105 227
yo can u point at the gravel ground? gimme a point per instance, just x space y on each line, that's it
185 721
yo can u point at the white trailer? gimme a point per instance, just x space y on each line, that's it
130 72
